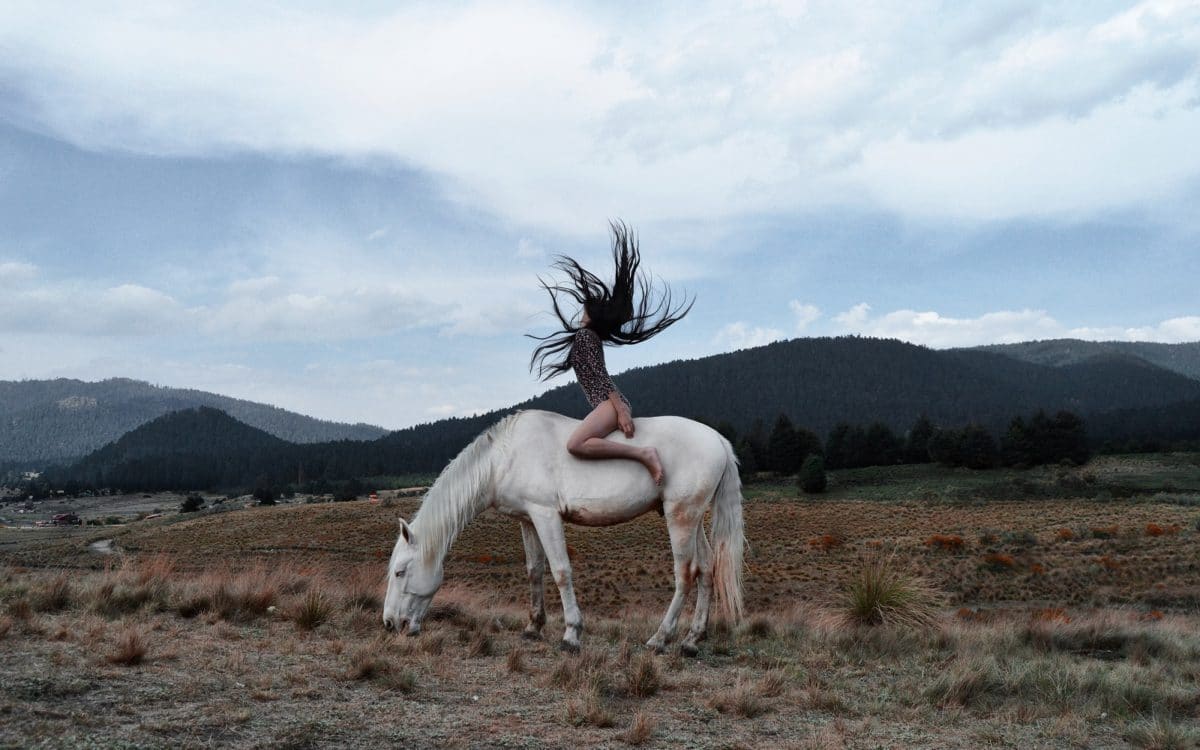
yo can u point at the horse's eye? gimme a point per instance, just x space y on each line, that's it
399 573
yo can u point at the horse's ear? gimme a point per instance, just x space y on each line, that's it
406 532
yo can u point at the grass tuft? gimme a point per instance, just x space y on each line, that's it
481 645
641 730
1160 733
515 662
642 676
313 610
740 700
55 596
589 709
879 594
130 648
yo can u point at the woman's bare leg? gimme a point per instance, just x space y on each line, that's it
588 442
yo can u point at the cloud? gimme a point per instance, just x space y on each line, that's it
12 272
1173 331
806 314
932 329
550 116
855 316
739 335
74 307
528 249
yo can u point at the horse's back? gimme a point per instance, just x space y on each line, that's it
693 455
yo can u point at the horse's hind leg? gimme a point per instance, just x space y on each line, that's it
535 566
704 590
682 526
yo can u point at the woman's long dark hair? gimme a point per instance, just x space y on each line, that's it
628 312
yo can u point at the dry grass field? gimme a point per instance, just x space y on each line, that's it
1068 613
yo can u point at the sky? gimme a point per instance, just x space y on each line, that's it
344 209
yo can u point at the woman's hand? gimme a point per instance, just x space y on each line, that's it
624 417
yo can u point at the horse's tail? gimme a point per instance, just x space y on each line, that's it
728 538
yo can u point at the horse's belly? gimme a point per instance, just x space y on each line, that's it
607 511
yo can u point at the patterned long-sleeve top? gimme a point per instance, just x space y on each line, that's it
587 357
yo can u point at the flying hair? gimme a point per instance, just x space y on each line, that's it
627 312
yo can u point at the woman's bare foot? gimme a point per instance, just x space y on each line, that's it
653 464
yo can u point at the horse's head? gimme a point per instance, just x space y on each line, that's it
412 582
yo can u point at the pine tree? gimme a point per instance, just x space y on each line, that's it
783 447
916 447
812 475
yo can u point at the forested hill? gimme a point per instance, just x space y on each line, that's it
193 448
49 421
818 382
1181 358
815 382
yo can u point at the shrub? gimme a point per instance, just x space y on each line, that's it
1019 538
879 594
948 542
192 504
825 542
812 475
1154 529
1064 535
998 562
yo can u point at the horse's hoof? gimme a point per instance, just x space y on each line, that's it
689 649
656 647
568 648
531 635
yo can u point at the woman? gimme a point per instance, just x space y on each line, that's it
610 315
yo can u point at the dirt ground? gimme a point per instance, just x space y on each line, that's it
1065 622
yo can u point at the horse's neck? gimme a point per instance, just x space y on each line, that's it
459 495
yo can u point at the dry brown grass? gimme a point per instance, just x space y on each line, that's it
743 699
641 729
642 676
788 673
515 661
313 610
879 593
130 649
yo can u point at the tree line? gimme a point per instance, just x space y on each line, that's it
1028 441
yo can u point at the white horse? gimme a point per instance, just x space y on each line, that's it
521 467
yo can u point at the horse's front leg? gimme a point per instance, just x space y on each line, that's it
535 566
554 545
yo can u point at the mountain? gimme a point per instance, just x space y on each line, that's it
50 421
1181 358
816 382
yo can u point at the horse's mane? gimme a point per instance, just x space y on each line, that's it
459 494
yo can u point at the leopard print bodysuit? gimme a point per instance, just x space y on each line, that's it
587 357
